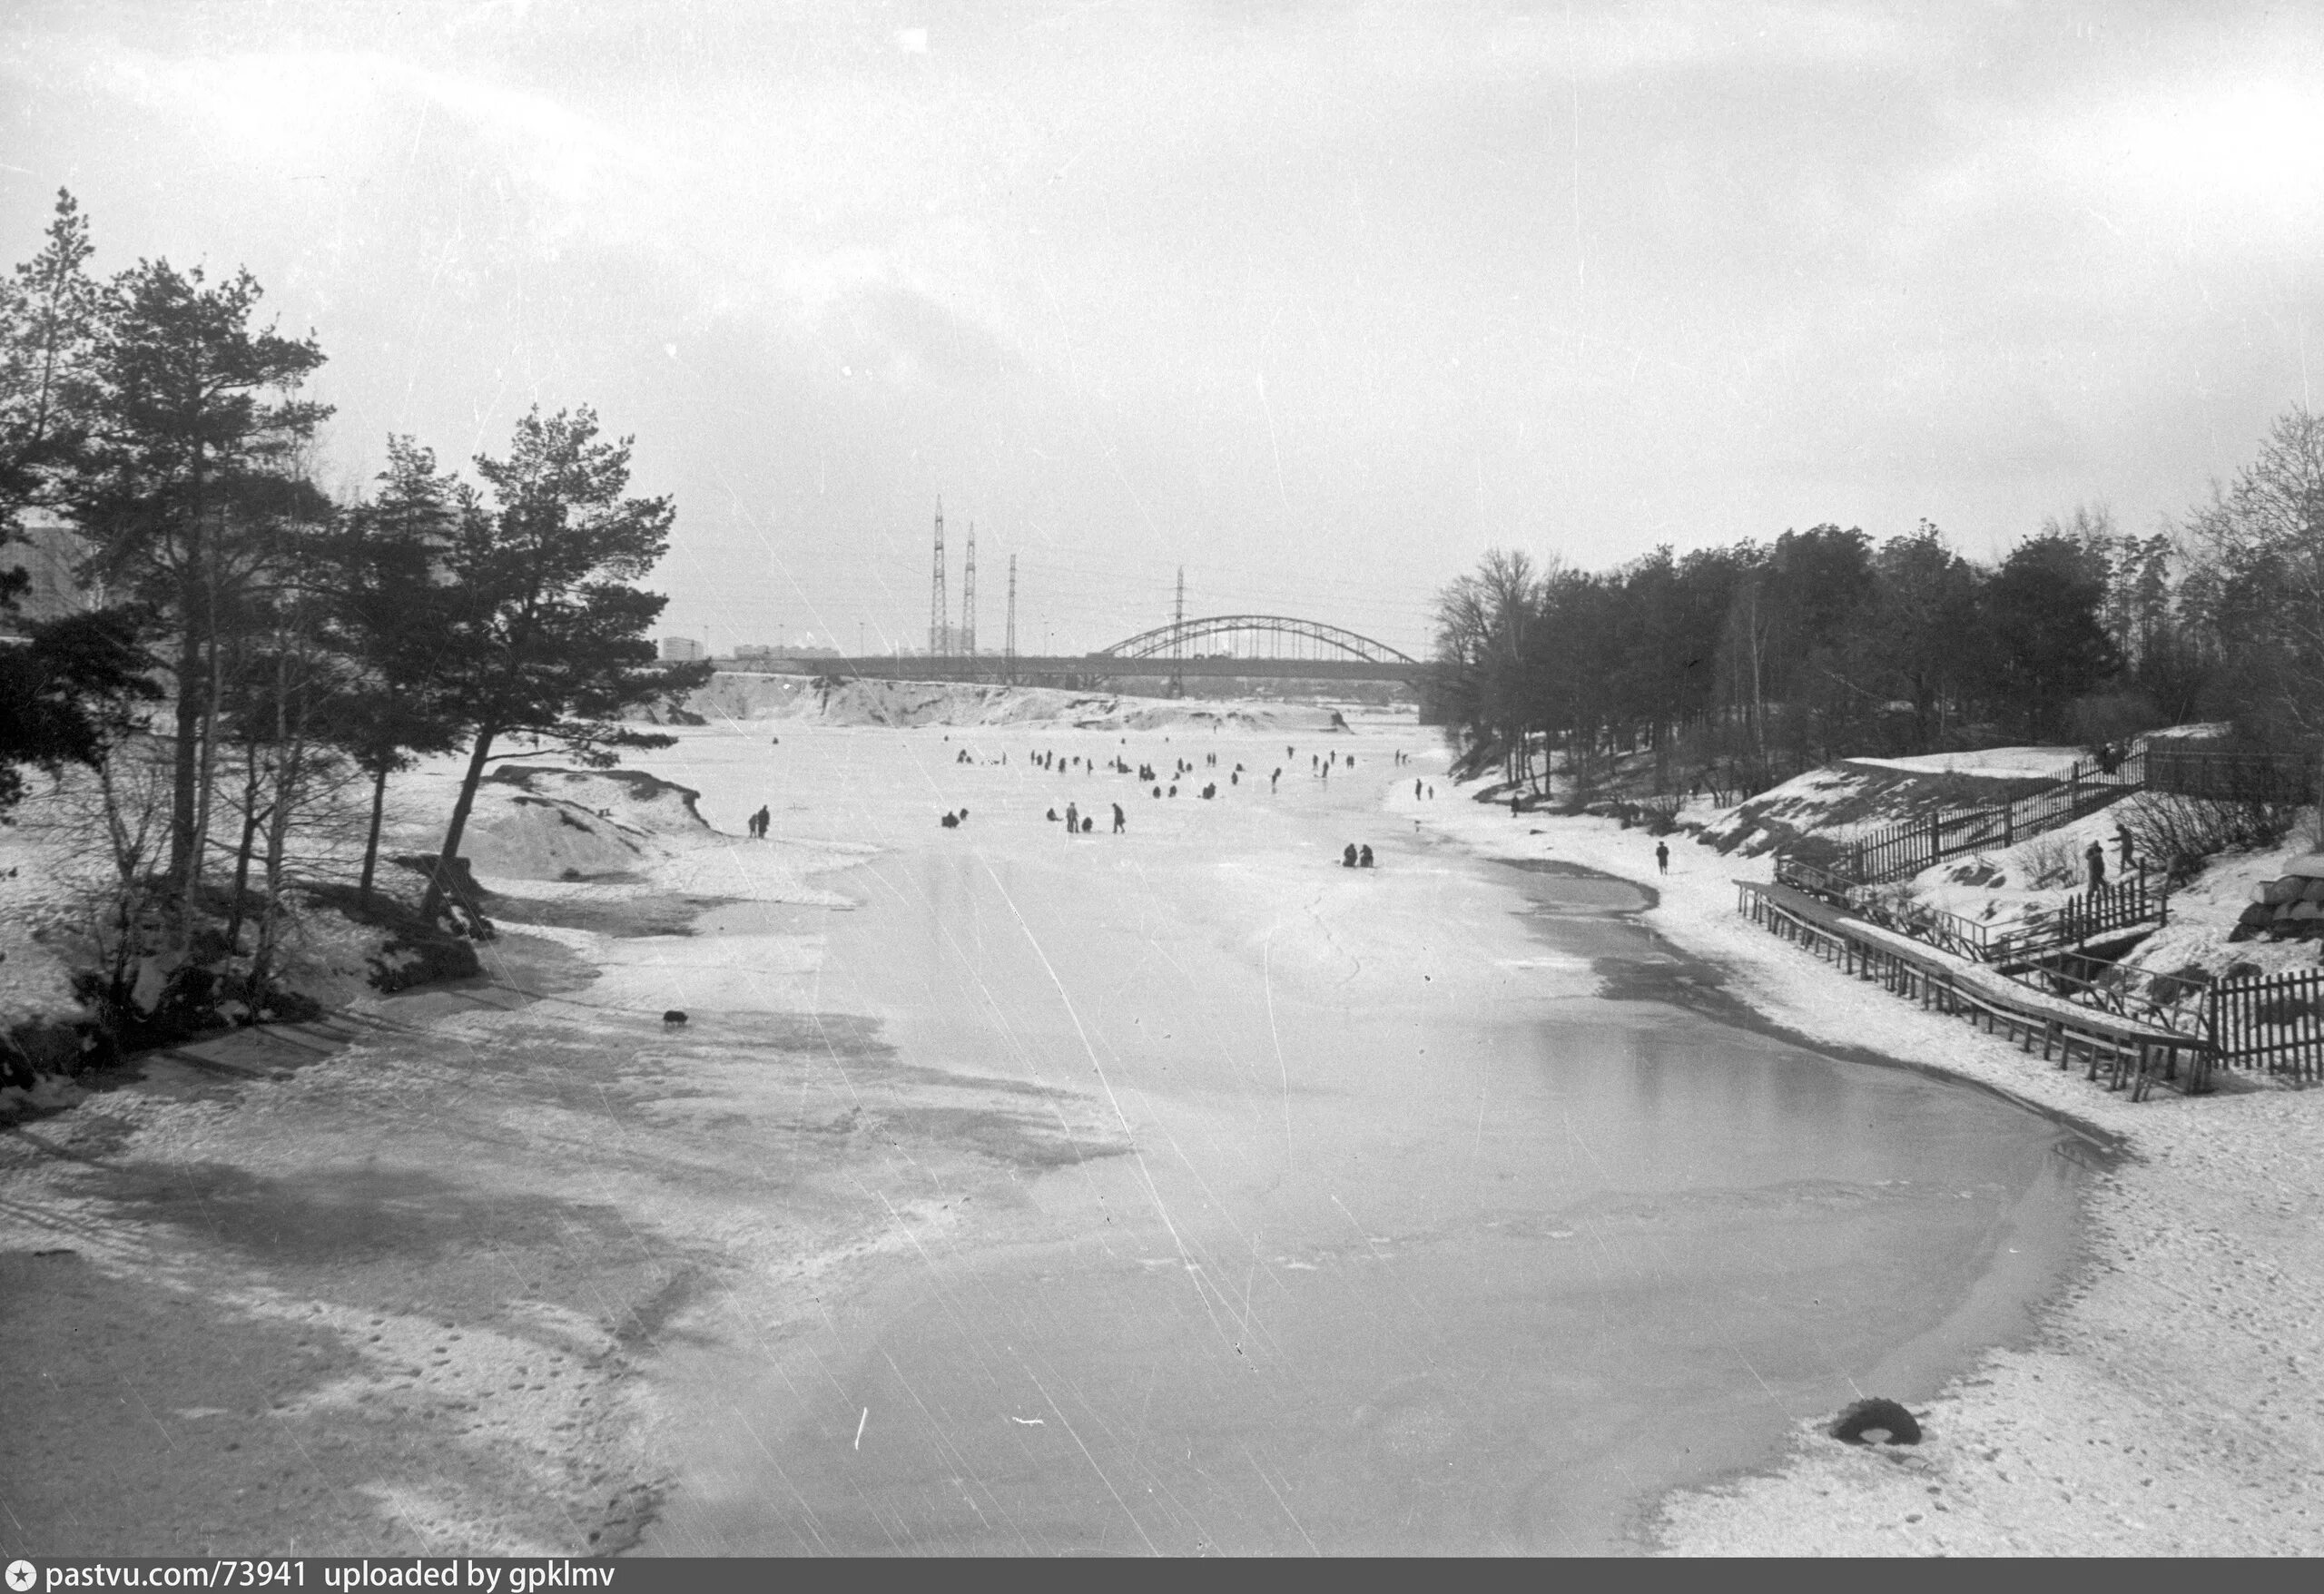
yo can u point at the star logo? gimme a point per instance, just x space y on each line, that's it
21 1575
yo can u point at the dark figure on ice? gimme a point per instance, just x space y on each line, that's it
1273 778
1087 825
950 821
1347 859
1072 819
1052 816
1415 791
1363 858
1662 857
2096 856
1121 820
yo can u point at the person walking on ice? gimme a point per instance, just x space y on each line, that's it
1121 820
1662 857
1072 819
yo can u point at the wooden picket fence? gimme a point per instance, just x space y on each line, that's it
2275 1023
1905 848
2232 777
2124 905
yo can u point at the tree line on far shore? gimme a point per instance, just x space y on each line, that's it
1738 667
254 657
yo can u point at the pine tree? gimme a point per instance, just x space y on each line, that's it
546 641
186 476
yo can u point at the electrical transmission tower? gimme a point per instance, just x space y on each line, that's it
1178 638
968 601
939 622
1012 619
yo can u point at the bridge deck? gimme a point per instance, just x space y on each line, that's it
1079 668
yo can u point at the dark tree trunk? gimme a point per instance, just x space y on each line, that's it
371 842
185 771
448 860
242 853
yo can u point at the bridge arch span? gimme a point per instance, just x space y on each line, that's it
1269 636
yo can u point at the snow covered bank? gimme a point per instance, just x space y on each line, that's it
1838 800
1999 763
2170 1401
732 696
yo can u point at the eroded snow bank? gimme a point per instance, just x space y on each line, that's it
733 696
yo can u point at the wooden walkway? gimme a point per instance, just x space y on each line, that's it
2122 1050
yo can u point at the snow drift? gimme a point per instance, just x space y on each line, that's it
536 823
732 696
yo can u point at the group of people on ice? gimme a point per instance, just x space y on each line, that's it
1078 824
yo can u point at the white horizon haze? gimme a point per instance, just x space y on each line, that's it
1318 302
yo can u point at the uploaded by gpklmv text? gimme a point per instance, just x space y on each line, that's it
291 1574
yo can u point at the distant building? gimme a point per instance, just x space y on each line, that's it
761 652
682 650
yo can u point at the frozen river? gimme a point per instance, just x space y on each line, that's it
1461 1213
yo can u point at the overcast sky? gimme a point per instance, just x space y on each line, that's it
1319 301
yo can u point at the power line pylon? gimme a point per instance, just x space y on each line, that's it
1012 619
1178 638
969 602
938 620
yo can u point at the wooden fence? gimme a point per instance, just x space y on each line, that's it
2231 777
2121 1049
1916 844
2124 905
2275 1024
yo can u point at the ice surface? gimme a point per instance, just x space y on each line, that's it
1422 1243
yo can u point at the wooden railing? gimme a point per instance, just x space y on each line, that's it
2275 1023
2233 777
2120 906
2119 1038
2035 933
1916 844
1816 880
2161 1001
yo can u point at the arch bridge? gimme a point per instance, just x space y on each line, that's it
1216 646
1254 638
